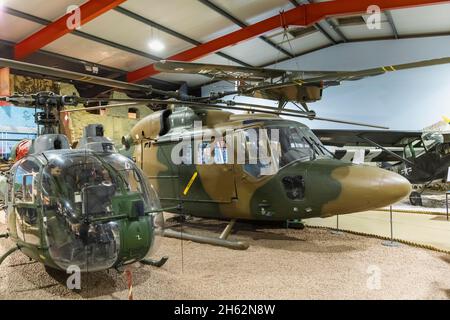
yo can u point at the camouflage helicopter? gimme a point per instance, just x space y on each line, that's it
294 178
88 207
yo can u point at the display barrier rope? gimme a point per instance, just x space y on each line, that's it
371 235
436 213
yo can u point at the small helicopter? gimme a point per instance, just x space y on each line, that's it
88 207
293 179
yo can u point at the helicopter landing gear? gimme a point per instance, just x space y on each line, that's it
155 263
221 241
415 198
295 224
8 253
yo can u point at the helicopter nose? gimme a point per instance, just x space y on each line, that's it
366 188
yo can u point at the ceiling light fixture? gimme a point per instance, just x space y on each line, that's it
156 45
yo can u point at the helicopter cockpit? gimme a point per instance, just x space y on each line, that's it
82 196
284 143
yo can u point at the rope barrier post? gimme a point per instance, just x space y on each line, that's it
337 231
391 242
129 279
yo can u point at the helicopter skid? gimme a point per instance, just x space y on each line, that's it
155 263
221 241
8 253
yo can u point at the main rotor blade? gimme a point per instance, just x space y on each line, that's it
289 114
230 72
109 106
75 76
252 105
255 108
218 71
356 75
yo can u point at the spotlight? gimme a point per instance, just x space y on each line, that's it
156 45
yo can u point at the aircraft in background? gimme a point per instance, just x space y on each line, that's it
420 156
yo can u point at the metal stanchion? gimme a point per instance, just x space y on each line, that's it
391 243
337 231
446 201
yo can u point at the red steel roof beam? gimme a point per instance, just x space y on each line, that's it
88 11
303 15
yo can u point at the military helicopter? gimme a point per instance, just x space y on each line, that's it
295 178
88 207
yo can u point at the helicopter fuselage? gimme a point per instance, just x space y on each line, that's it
222 173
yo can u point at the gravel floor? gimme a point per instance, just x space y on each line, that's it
280 264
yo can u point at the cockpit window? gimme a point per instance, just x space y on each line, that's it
255 152
133 179
272 147
298 143
24 178
66 181
430 139
78 192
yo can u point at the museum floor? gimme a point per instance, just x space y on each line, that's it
280 264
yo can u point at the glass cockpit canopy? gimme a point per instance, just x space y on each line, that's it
77 189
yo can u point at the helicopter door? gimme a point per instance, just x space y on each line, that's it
209 178
25 206
160 171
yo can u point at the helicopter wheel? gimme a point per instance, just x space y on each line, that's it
295 224
415 198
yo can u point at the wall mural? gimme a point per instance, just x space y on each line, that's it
28 85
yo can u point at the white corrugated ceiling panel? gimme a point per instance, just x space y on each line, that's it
302 44
358 32
254 52
121 29
87 50
252 11
422 20
50 10
188 17
16 29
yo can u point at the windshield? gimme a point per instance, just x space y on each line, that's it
67 179
133 179
431 139
298 143
275 146
426 143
